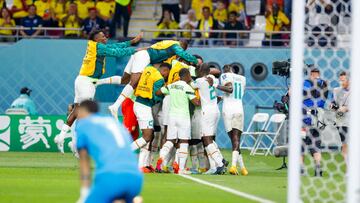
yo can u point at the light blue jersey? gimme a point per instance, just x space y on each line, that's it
24 102
107 143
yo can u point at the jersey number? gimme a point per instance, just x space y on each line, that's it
119 139
212 93
237 90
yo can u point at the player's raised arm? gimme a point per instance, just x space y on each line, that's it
180 51
127 43
106 50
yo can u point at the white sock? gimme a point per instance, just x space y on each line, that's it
201 155
212 164
235 158
125 93
143 155
194 156
214 153
176 159
217 147
182 155
64 129
170 156
165 152
110 80
241 162
137 144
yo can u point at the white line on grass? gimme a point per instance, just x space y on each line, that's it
229 190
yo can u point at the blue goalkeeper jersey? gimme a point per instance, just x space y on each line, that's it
107 143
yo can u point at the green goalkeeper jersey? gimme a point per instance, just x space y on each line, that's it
180 93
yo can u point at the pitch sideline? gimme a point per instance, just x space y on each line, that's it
229 190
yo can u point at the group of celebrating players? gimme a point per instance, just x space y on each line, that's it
171 96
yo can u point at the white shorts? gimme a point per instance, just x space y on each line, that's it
84 88
233 121
144 116
156 110
196 124
137 62
165 110
209 122
179 128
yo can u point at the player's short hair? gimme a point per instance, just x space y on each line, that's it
343 73
90 105
184 72
227 68
165 65
93 34
233 13
206 8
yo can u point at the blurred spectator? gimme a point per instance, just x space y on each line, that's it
207 23
239 8
83 7
269 3
31 21
276 20
106 10
122 10
42 6
19 10
232 24
6 21
173 7
59 8
2 4
93 22
71 20
24 101
220 13
50 20
167 23
198 6
189 23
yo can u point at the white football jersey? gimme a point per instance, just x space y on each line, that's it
233 102
207 93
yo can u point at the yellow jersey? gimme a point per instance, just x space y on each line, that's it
18 5
42 7
59 8
83 8
176 66
105 9
198 5
281 20
93 65
236 7
3 24
71 23
148 78
221 15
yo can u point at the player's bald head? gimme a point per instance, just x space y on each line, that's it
227 68
204 69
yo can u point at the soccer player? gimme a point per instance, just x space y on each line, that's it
233 113
157 53
315 95
340 105
93 67
179 120
108 144
148 94
210 118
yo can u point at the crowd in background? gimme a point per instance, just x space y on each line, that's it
86 15
231 15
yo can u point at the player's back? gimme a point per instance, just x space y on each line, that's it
107 143
207 93
180 93
233 101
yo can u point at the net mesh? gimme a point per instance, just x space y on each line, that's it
327 48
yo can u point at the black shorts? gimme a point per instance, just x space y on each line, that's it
343 132
312 141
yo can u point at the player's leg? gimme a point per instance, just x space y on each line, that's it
343 132
316 150
194 155
146 121
166 149
165 120
113 80
184 135
84 89
141 60
129 118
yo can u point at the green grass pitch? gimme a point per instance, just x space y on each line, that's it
52 177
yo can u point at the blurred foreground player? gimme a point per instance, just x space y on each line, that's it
103 139
93 67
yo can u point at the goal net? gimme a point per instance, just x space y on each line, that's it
323 122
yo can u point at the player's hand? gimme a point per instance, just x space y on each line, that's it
84 192
210 81
343 109
137 38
